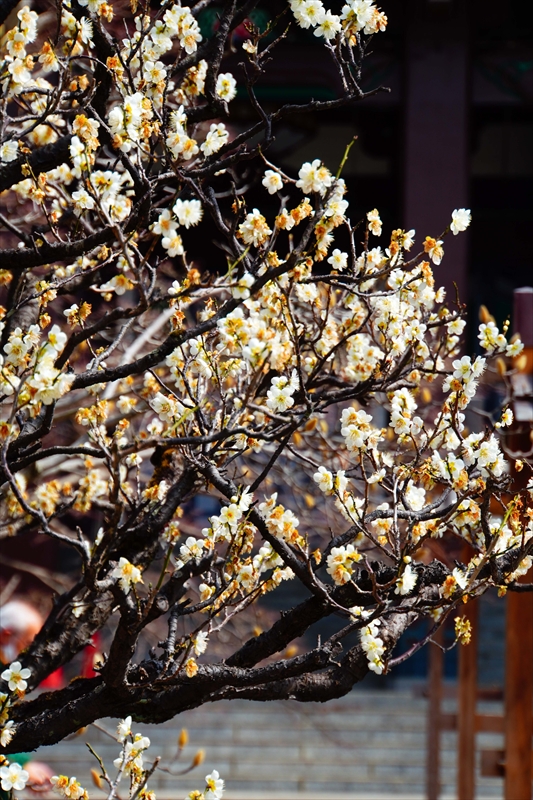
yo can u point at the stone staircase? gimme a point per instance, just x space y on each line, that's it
368 745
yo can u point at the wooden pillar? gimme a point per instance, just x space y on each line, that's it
466 709
519 623
436 674
518 695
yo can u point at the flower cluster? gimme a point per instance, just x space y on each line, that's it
280 395
127 575
357 431
254 230
12 776
185 212
357 16
373 646
201 432
341 562
68 787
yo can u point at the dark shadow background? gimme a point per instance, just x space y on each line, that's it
455 130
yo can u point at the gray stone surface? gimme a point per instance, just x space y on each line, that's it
491 636
369 745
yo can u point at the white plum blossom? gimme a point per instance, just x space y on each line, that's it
272 181
280 395
13 777
374 222
506 419
356 428
119 284
175 288
173 244
7 732
16 677
216 138
57 339
166 224
373 646
324 479
9 151
329 26
489 458
338 259
314 177
407 581
124 729
68 787
226 86
127 575
200 643
214 786
340 483
341 561
415 496
167 407
434 249
514 348
460 577
241 290
132 758
188 212
449 469
192 549
461 219
82 201
490 337
309 13
377 476
358 16
254 230
229 516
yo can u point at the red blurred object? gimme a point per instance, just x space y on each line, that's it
89 654
56 680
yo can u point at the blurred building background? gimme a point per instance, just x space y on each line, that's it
455 130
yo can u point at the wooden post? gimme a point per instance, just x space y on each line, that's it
466 709
518 695
436 673
519 623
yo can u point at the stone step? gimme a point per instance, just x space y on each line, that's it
369 745
377 795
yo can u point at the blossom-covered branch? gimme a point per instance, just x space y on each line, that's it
312 383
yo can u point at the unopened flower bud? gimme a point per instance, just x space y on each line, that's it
97 780
485 315
501 366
